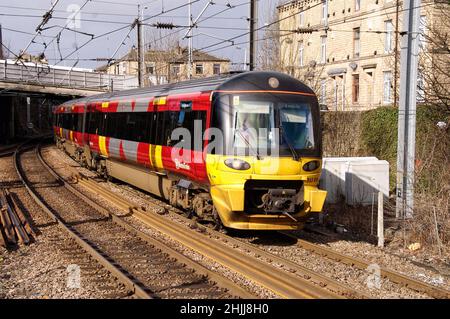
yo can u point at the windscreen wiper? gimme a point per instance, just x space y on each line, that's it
293 151
255 150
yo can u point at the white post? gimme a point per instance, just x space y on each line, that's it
380 228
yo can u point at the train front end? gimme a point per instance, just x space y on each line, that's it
264 152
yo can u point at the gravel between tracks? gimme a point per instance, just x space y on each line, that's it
165 277
350 276
59 161
40 270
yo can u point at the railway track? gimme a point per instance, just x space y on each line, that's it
8 151
145 266
399 278
289 280
394 276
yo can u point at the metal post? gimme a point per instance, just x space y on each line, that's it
253 36
380 226
407 109
397 8
1 44
140 50
190 42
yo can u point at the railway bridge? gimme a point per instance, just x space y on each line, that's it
29 90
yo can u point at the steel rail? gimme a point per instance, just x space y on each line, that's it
94 252
200 269
281 283
393 276
399 278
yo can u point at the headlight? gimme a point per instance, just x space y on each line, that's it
237 164
311 166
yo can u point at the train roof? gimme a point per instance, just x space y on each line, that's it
245 81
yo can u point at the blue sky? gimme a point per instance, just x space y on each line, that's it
102 16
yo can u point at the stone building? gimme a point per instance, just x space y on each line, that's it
348 52
163 66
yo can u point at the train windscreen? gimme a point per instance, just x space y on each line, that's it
266 123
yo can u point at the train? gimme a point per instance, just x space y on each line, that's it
240 151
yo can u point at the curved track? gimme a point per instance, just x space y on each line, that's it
292 281
148 268
394 276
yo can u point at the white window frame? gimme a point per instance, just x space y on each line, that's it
150 65
302 18
175 67
357 43
202 67
422 30
325 11
301 51
357 5
220 68
387 87
323 49
420 93
389 28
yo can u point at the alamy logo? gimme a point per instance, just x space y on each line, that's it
73 276
373 281
74 19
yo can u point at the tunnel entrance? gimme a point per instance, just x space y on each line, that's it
24 115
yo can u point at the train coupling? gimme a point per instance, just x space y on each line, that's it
280 201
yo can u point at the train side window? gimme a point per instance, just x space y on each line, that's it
102 127
140 129
92 122
160 127
153 128
80 122
119 128
200 116
170 125
130 126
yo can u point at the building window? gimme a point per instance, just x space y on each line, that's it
323 49
357 5
420 88
302 18
356 42
199 68
216 69
150 68
324 11
175 69
323 91
389 28
355 88
387 87
300 54
422 28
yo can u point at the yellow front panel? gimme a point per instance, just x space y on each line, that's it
102 145
61 132
270 168
71 135
227 190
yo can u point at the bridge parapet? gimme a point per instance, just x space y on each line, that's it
63 77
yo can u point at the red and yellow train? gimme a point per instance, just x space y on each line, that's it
242 150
